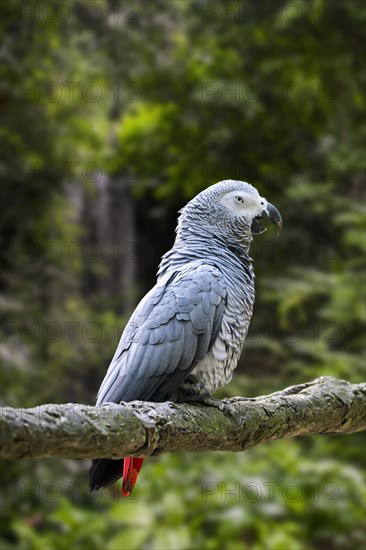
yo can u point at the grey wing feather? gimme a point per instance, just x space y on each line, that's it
172 329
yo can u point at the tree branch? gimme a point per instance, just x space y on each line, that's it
323 406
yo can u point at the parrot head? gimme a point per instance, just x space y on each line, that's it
230 209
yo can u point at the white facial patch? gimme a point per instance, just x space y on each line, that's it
243 204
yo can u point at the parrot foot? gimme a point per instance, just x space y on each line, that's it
210 401
193 391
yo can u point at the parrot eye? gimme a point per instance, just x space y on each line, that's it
240 199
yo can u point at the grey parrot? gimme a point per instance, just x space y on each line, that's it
184 339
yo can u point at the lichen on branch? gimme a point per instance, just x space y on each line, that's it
324 406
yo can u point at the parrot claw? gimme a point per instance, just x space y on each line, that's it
218 404
193 391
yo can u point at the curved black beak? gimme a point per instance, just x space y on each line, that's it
273 214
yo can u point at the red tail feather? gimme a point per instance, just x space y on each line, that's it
131 469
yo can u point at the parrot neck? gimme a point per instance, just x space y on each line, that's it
233 236
211 248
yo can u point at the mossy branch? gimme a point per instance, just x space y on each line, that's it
323 406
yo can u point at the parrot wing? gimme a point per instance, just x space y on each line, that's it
172 328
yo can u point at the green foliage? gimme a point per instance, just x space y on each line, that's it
213 501
191 92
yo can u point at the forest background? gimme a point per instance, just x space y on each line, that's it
113 115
